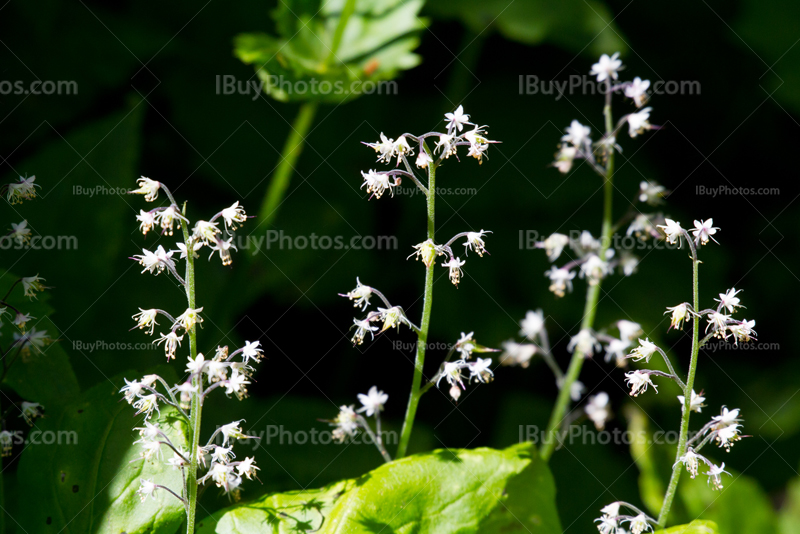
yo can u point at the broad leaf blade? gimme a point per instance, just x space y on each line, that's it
695 527
482 490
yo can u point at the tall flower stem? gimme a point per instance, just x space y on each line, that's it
422 337
592 295
687 392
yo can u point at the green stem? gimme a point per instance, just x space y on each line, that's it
592 296
2 497
291 151
687 392
422 337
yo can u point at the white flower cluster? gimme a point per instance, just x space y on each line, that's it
427 251
610 522
348 421
479 370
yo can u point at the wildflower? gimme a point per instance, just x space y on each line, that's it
726 418
607 68
679 314
178 461
196 245
584 342
362 329
651 193
157 261
597 410
532 325
481 370
727 436
560 280
718 322
402 148
205 232
637 90
672 230
233 216
742 331
6 442
554 245
517 353
423 160
237 384
452 374
34 338
151 448
131 390
478 144
222 475
644 351
594 269
690 460
377 183
465 345
346 423
223 247
427 251
457 119
695 404
616 349
25 189
391 317
186 389
146 404
147 187
565 157
703 231
628 329
195 365
189 318
445 144
222 455
217 370
455 265
475 242
729 300
715 475
30 411
147 489
638 382
171 342
145 319
147 220
360 295
639 524
372 402
248 468
577 134
32 284
252 350
576 390
385 148
638 122
20 232
609 520
167 218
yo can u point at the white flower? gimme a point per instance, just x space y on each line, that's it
644 351
594 269
232 431
169 217
560 280
637 90
457 119
222 455
554 245
147 489
639 524
20 232
695 404
517 353
189 318
532 325
236 384
223 247
639 122
25 189
475 242
362 329
584 342
402 148
155 262
691 461
346 423
703 231
726 418
32 284
147 187
651 193
576 390
30 411
178 460
718 322
222 475
145 319
607 524
146 404
205 232
452 373
742 331
234 216
217 370
481 370
607 68
186 389
465 345
196 365
252 350
147 220
196 245
391 317
427 252
729 300
616 349
377 183
727 436
611 510
454 265
672 230
34 338
372 402
638 382
131 390
446 145
423 160
628 329
247 467
6 442
385 148
171 342
577 134
715 475
150 448
597 410
679 314
564 158
478 144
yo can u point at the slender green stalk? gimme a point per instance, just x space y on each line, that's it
592 296
2 495
687 392
422 337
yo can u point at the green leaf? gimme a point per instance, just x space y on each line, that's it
86 481
377 42
568 23
740 506
481 490
695 527
789 515
651 486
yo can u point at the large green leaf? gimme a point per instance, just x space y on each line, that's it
789 516
377 43
740 506
577 25
86 481
695 527
481 490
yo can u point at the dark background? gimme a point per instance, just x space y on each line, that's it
147 106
